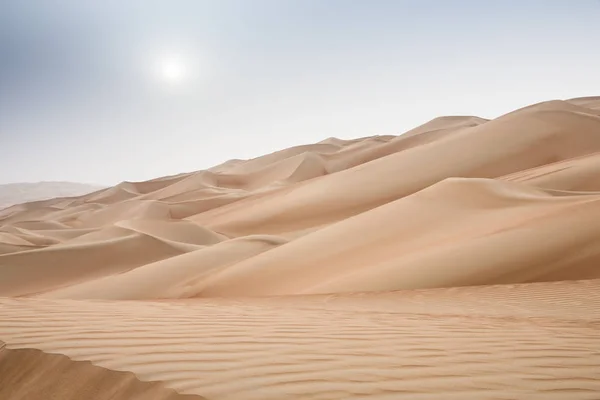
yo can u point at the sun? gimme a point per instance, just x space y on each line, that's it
172 70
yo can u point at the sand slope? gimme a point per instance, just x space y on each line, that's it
487 232
176 277
579 174
528 138
459 260
30 374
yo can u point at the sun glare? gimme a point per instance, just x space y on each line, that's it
172 70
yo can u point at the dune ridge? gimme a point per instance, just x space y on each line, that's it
459 260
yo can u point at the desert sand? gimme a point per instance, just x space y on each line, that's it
459 260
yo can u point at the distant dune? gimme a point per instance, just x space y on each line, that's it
459 260
18 193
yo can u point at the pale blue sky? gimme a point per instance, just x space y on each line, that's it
81 98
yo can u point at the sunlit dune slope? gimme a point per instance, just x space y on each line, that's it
538 135
181 276
116 251
592 102
457 232
457 201
579 174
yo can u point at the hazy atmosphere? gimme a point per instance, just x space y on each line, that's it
106 91
299 199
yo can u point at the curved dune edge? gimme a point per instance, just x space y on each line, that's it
396 247
31 272
534 341
31 374
527 138
579 174
180 276
457 201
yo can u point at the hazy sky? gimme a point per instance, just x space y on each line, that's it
111 90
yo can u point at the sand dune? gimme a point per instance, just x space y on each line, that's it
574 174
592 102
110 196
131 209
14 239
532 137
116 251
394 247
176 277
458 260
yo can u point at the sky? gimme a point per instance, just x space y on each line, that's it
128 90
